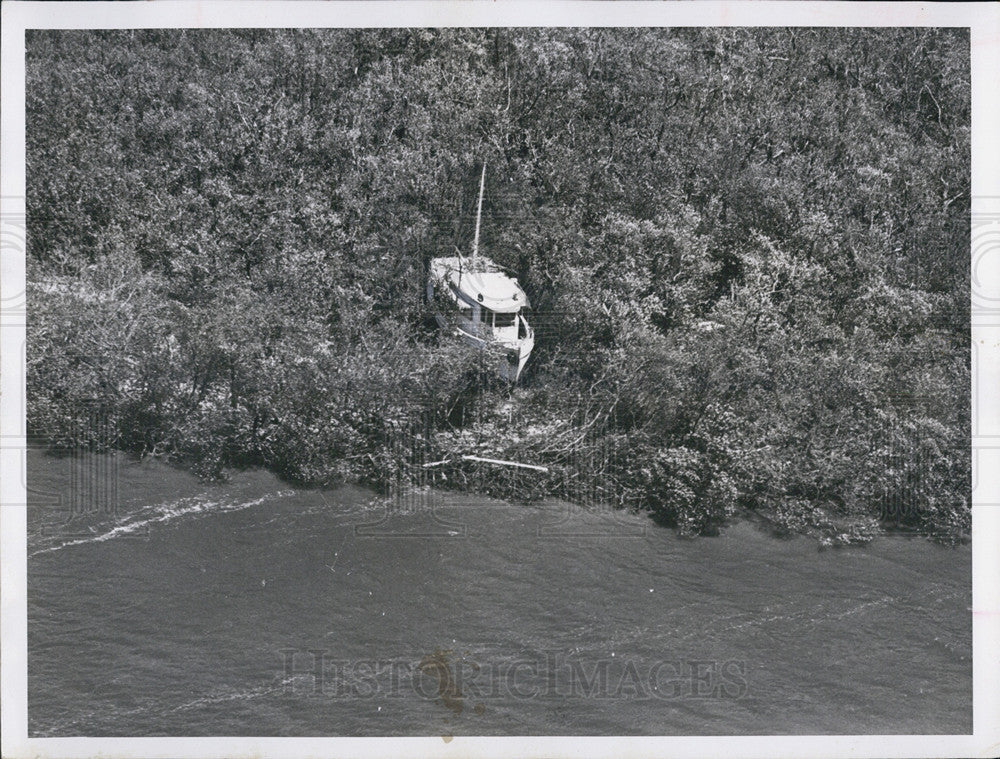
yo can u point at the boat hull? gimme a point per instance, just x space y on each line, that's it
510 359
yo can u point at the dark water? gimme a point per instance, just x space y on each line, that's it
181 614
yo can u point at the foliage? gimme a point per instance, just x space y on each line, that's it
747 252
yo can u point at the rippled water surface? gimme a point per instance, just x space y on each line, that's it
192 611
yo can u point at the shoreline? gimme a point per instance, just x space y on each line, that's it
825 535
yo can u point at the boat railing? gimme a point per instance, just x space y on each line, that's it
525 332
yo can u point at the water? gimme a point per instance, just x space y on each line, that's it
190 611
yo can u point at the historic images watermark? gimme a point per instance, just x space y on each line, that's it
93 469
456 679
985 276
986 255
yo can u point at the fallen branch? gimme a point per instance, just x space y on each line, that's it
506 463
437 463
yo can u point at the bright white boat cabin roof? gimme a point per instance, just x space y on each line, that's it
486 285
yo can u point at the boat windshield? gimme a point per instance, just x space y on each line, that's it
504 320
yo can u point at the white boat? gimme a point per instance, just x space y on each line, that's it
482 304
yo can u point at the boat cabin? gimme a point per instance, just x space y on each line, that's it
485 306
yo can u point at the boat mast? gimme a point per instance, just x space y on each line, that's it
479 215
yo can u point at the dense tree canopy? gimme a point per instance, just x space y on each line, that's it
747 252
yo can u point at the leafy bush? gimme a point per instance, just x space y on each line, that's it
749 276
684 488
